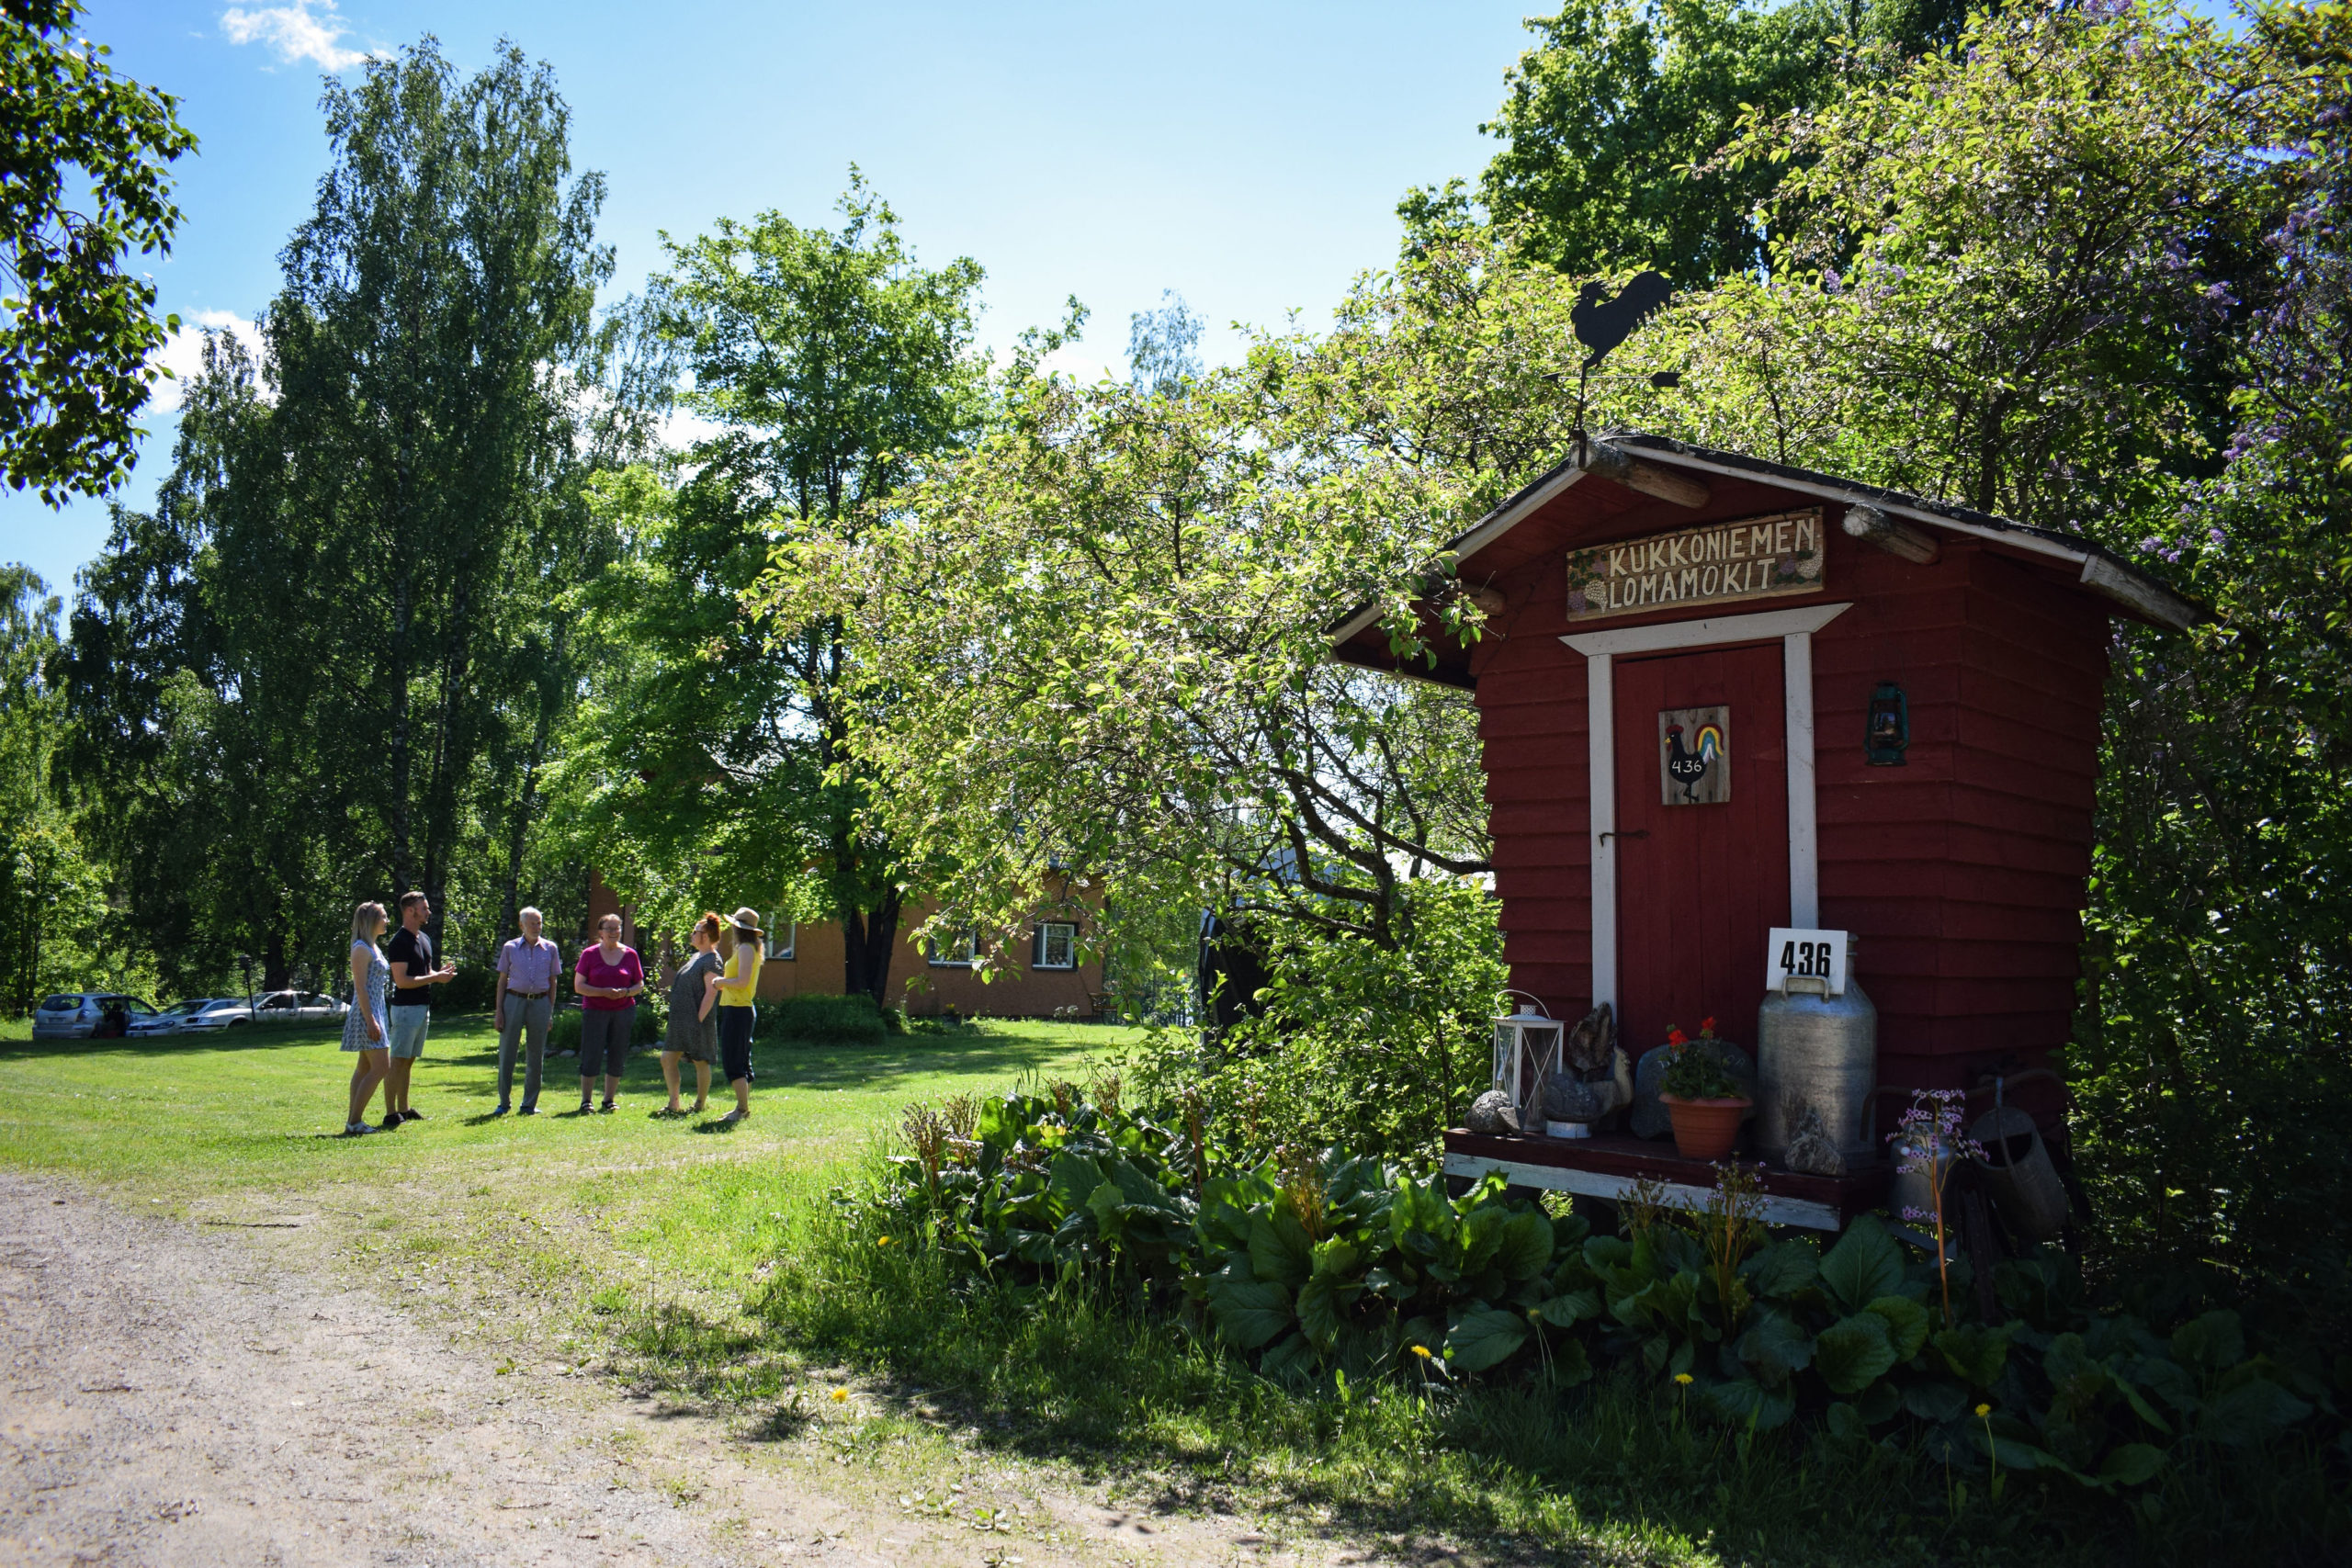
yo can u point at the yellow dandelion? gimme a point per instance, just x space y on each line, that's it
884 1242
841 1396
1983 1411
1422 1351
1682 1378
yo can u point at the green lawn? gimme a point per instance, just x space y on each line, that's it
588 1216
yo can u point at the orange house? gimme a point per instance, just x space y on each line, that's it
1040 971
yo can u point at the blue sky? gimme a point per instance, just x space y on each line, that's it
1248 155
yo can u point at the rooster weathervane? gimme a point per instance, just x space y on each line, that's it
1601 323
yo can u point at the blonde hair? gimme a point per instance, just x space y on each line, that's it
364 920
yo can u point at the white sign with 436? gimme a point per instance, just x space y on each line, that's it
1813 960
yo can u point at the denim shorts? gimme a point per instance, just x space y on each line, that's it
405 1030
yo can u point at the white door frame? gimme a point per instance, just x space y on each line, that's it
1796 629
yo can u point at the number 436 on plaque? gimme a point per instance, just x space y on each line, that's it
1815 960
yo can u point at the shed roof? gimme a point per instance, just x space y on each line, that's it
1482 550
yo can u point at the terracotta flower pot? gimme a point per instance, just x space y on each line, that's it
1704 1129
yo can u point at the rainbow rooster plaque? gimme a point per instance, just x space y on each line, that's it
1694 756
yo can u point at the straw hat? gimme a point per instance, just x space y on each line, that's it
748 920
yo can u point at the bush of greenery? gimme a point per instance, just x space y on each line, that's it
853 1021
1355 1042
1322 1266
563 1030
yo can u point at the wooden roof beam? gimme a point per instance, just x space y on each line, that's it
1609 464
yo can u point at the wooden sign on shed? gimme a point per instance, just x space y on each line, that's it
1718 563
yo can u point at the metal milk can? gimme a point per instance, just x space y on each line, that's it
2016 1166
1822 1052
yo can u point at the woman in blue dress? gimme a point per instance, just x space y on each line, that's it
363 1026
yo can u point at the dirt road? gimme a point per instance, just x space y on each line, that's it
177 1395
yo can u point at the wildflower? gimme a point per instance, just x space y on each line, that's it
1983 1411
884 1242
841 1396
1422 1351
1683 1378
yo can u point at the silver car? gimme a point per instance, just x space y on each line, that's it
79 1015
218 1014
172 1019
297 1007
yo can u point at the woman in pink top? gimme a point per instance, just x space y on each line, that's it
609 978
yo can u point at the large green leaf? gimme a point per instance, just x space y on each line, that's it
1907 1324
1782 1268
1525 1249
1775 1345
1319 1303
1746 1403
1250 1312
1865 1265
1278 1248
1853 1353
1333 1257
2132 1464
1934 1401
1568 1311
1485 1338
1974 1353
2254 1410
2212 1343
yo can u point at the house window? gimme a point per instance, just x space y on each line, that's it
953 951
783 936
1056 946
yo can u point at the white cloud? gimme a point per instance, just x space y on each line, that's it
308 29
182 354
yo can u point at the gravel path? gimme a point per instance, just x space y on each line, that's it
175 1394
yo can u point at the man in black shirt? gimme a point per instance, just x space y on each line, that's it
410 952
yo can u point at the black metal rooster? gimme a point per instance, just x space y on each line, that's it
1601 324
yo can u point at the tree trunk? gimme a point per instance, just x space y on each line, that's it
396 741
867 938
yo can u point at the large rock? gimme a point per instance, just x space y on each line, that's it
1648 1117
1491 1113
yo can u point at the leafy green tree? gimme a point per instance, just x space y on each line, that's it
1094 644
52 904
333 661
1620 99
834 367
84 157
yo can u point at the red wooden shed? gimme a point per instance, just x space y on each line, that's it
1761 608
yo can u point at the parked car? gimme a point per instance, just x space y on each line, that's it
299 1007
172 1019
83 1015
272 1008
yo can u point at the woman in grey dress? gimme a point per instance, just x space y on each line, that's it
693 1033
363 1026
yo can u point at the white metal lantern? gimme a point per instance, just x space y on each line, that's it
1527 1052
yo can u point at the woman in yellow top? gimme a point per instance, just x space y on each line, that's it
736 989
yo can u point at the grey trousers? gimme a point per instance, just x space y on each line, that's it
526 1016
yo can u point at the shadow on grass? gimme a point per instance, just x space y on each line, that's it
1515 1469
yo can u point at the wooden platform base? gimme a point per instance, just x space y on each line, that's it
1608 1166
